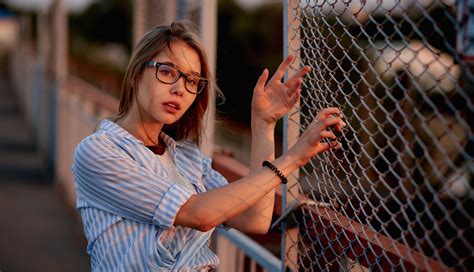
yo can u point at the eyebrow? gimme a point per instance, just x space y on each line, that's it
176 66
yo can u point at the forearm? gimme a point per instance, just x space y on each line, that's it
263 148
263 144
208 210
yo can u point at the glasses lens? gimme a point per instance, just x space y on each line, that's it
167 74
193 84
201 85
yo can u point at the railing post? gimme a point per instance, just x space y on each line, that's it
59 56
38 100
139 19
149 13
208 28
161 12
291 42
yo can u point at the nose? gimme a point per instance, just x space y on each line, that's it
178 88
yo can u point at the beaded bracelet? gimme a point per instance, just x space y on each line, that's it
275 170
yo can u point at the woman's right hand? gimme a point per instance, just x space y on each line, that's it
311 142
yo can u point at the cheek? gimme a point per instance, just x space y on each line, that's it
147 97
190 101
143 98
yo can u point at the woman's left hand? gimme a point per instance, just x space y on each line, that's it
272 99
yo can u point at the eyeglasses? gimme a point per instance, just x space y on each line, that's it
168 74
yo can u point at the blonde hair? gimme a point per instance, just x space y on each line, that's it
189 126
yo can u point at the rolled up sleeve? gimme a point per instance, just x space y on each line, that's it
108 178
212 178
170 204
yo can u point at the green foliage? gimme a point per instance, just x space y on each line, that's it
108 21
248 42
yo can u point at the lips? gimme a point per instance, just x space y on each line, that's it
172 106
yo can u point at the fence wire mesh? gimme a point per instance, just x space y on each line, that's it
399 193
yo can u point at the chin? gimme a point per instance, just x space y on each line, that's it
167 121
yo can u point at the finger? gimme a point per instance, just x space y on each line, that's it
262 80
324 147
330 139
280 72
331 121
293 89
326 134
334 144
295 98
341 124
297 76
327 112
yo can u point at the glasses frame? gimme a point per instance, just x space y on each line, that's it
157 64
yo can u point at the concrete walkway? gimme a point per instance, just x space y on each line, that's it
38 232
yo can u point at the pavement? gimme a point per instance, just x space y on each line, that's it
38 230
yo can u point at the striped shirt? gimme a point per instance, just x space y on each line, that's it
128 203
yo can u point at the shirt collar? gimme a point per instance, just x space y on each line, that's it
115 129
170 142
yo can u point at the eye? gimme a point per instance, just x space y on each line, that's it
192 81
167 71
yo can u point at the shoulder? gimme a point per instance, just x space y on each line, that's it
191 155
95 147
190 148
97 140
194 152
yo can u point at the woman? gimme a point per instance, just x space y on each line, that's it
148 197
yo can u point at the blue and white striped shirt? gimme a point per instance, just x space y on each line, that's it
128 204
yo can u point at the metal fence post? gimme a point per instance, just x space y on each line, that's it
291 133
208 28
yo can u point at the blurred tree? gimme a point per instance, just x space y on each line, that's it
107 21
3 6
100 42
248 41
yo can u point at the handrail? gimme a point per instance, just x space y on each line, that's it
389 250
385 251
251 248
94 94
233 170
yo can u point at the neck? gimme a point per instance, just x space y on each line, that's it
144 130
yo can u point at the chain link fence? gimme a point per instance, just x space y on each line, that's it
399 193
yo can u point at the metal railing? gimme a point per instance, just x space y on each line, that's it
75 109
237 251
243 245
399 193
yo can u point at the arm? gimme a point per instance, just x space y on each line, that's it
257 218
208 210
109 179
271 100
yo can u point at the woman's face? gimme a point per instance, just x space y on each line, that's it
165 103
